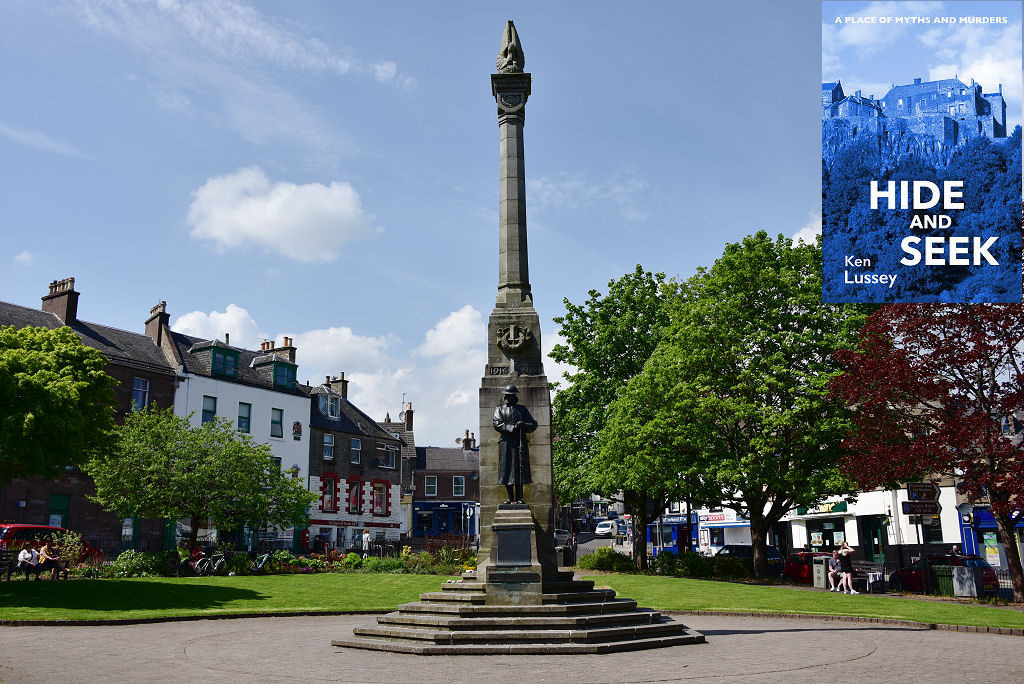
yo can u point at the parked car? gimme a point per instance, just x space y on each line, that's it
746 552
14 535
909 578
799 567
606 528
562 537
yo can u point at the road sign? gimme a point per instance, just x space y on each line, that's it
922 491
921 508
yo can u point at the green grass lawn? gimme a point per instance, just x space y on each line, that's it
114 599
108 599
676 593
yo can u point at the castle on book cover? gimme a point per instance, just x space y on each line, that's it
921 186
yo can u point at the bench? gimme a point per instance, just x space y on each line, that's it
870 575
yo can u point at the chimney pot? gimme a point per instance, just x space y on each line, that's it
62 300
227 338
158 322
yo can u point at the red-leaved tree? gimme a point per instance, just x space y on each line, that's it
938 391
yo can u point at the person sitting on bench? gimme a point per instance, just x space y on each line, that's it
28 560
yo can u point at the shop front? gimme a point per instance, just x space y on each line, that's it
715 529
980 536
437 518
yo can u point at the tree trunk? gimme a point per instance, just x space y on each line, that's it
759 543
193 533
640 540
1008 537
637 503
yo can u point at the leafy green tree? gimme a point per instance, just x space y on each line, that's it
164 467
607 341
642 452
56 402
740 387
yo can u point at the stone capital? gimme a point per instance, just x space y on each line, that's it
511 91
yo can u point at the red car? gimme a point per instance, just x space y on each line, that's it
800 566
13 537
909 579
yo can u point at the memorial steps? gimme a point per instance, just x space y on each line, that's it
572 617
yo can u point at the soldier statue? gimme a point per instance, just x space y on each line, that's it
512 422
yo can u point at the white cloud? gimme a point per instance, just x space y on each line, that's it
25 259
811 230
553 369
39 141
867 39
571 192
455 333
308 222
328 351
234 320
440 376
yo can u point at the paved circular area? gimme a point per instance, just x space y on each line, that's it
739 649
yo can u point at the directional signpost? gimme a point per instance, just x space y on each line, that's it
921 508
922 491
923 500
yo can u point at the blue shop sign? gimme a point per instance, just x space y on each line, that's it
983 519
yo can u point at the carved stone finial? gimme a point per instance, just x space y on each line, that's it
510 56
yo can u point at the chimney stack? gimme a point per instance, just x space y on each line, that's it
62 300
339 384
407 416
158 321
287 349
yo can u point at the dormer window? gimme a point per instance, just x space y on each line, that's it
284 375
330 406
224 362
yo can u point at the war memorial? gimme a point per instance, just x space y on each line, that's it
518 601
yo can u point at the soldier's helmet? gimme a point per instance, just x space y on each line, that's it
510 389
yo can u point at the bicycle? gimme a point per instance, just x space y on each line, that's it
211 564
261 565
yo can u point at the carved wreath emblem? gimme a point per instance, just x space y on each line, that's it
513 338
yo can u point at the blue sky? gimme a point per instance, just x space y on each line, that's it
871 56
328 170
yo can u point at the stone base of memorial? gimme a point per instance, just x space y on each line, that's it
509 606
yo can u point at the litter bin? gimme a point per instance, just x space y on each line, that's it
821 571
966 581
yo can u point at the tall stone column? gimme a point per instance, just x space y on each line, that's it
513 330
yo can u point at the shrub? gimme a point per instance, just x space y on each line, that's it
353 561
140 564
665 563
71 547
691 564
605 558
727 567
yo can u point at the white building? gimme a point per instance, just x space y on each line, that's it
255 390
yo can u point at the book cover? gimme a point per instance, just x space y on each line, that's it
921 152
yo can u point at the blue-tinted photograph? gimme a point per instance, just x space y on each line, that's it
921 152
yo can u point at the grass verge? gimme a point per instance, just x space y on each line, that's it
677 593
155 597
